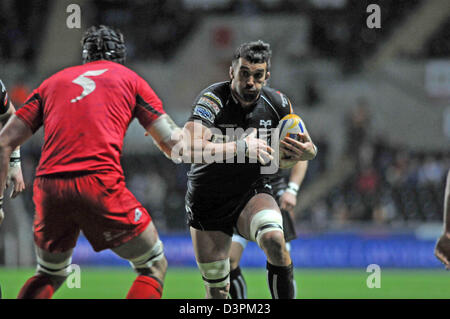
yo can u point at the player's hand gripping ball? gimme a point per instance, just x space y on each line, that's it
289 126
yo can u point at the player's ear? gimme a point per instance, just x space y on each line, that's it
267 75
231 73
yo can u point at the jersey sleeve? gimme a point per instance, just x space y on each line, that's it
32 111
286 105
205 108
4 102
148 105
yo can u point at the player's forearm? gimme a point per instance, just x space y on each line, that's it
202 151
298 172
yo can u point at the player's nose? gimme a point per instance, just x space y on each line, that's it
250 82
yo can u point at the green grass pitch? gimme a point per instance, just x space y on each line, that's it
186 283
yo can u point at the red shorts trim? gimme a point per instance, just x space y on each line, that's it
97 204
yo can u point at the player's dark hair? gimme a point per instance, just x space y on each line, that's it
103 43
255 52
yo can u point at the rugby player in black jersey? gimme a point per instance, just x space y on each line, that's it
231 193
15 171
285 189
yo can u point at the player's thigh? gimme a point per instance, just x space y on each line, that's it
210 246
258 203
140 244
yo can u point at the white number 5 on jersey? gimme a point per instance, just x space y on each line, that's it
86 83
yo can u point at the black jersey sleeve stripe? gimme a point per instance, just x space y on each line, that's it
141 102
35 97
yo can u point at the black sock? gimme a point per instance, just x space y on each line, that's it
238 286
281 281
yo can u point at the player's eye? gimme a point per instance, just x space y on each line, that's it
245 74
258 75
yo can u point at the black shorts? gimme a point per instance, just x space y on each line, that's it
219 212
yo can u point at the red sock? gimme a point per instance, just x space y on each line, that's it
145 287
37 287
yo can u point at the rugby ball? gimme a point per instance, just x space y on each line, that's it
289 126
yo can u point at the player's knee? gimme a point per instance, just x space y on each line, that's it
273 243
268 225
57 272
216 275
153 262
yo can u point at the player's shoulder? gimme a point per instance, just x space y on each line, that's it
214 96
219 90
277 100
276 97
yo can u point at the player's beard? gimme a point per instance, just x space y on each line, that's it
249 95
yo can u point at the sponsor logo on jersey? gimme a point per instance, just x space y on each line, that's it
210 104
137 215
214 97
110 236
204 113
284 99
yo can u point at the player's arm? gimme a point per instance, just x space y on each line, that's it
303 150
288 200
197 145
15 171
167 136
198 132
442 249
15 133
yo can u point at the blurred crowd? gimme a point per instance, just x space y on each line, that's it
390 185
157 29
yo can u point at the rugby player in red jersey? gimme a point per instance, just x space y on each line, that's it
15 171
85 111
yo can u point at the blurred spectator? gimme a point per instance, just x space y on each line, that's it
312 95
358 124
431 172
19 92
367 181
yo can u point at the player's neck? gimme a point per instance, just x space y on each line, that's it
242 103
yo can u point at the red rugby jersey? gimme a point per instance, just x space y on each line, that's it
85 111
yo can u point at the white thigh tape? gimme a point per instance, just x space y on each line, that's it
265 221
147 259
55 269
216 274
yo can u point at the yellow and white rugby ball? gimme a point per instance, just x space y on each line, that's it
290 126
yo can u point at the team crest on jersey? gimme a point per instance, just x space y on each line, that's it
266 124
137 215
210 104
204 113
